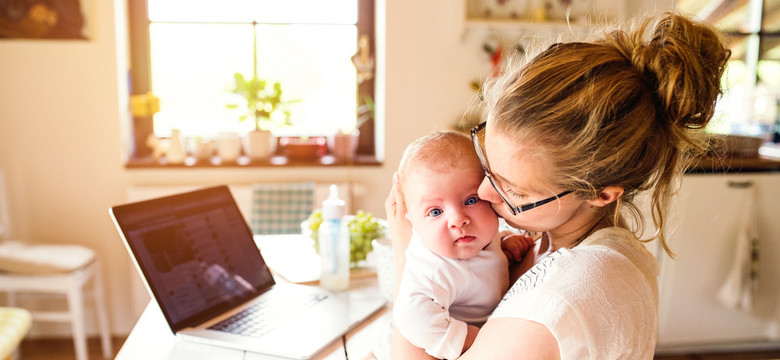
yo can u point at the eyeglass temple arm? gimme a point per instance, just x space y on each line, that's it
542 202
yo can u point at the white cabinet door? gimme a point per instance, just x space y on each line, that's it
703 226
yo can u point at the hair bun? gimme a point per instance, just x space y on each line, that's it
684 60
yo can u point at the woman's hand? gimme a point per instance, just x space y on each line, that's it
395 209
515 246
400 227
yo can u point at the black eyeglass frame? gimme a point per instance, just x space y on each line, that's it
515 209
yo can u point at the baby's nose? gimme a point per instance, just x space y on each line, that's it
458 219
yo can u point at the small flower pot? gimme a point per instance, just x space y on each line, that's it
258 144
344 146
297 148
229 146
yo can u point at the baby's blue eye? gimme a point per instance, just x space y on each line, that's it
472 200
434 212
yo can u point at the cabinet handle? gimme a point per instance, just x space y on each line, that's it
740 184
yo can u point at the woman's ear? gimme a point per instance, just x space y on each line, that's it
606 196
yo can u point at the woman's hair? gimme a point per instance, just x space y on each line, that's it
623 110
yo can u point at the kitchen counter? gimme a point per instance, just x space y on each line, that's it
736 164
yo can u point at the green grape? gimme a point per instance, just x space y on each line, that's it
315 219
363 228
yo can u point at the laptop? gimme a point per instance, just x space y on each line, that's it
200 262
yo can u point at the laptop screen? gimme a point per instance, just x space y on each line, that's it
196 252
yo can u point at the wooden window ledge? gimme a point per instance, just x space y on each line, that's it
246 162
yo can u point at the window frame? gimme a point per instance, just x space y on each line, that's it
140 155
748 34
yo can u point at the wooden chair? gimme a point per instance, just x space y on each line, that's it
53 269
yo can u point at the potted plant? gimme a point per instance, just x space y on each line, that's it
263 102
343 144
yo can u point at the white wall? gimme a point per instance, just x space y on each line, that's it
62 104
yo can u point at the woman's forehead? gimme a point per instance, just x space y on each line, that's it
513 161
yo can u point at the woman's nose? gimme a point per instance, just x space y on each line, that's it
487 192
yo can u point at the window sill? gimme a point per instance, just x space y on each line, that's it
246 162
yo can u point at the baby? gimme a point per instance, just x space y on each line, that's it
455 272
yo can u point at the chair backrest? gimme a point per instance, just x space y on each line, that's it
279 208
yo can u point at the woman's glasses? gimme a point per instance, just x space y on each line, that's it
515 209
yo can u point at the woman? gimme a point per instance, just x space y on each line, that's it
572 136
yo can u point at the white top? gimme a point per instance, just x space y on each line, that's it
599 299
438 296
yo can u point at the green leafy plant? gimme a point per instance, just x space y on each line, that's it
263 99
365 111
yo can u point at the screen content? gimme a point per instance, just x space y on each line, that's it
196 253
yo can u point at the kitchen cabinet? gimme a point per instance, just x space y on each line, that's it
702 231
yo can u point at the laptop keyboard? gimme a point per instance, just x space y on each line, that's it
267 314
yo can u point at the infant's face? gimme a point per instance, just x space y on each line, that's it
446 212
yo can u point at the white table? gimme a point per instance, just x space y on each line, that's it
152 339
291 259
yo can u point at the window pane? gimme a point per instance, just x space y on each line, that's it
307 11
193 67
770 20
201 10
748 103
313 64
738 44
770 47
734 18
767 95
192 71
265 11
732 106
729 16
735 110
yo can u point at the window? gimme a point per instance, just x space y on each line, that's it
187 54
751 98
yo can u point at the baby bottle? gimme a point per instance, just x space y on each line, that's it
333 237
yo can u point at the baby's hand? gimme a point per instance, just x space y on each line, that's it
515 246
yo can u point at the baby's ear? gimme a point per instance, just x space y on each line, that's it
606 196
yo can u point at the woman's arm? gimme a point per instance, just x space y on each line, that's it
508 338
404 350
